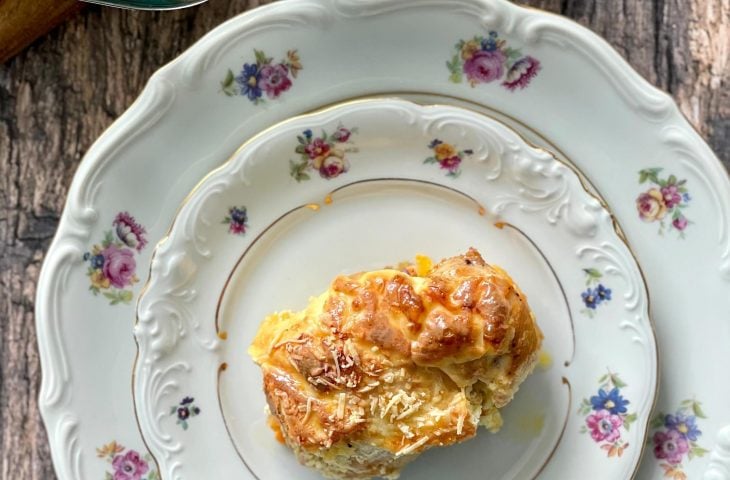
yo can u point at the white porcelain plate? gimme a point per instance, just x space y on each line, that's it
358 187
553 81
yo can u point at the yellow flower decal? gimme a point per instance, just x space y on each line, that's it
293 62
109 450
665 202
469 49
444 151
447 156
651 205
98 280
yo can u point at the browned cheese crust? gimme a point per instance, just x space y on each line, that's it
386 364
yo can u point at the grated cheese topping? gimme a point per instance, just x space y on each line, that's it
309 410
460 423
412 447
341 405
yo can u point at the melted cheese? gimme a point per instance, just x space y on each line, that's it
397 362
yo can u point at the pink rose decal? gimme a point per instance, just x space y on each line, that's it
604 426
670 446
671 196
451 164
651 205
129 466
342 135
119 265
318 148
237 229
680 223
485 59
112 264
484 67
324 154
667 199
332 166
274 79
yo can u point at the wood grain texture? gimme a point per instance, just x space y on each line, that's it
22 21
62 92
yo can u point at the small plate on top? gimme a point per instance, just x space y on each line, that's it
365 185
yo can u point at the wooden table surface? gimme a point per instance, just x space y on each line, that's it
58 96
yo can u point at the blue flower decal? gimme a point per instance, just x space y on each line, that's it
676 437
237 219
248 80
593 297
606 416
684 424
603 293
589 298
611 401
96 261
595 293
264 76
489 43
184 411
238 215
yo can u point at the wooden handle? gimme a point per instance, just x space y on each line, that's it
22 21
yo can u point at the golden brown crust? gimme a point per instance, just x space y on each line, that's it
388 364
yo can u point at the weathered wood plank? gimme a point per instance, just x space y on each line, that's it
61 93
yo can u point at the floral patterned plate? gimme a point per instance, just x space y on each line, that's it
555 82
360 186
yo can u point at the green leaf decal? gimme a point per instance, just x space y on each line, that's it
657 421
697 410
261 58
108 239
617 382
593 273
228 80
